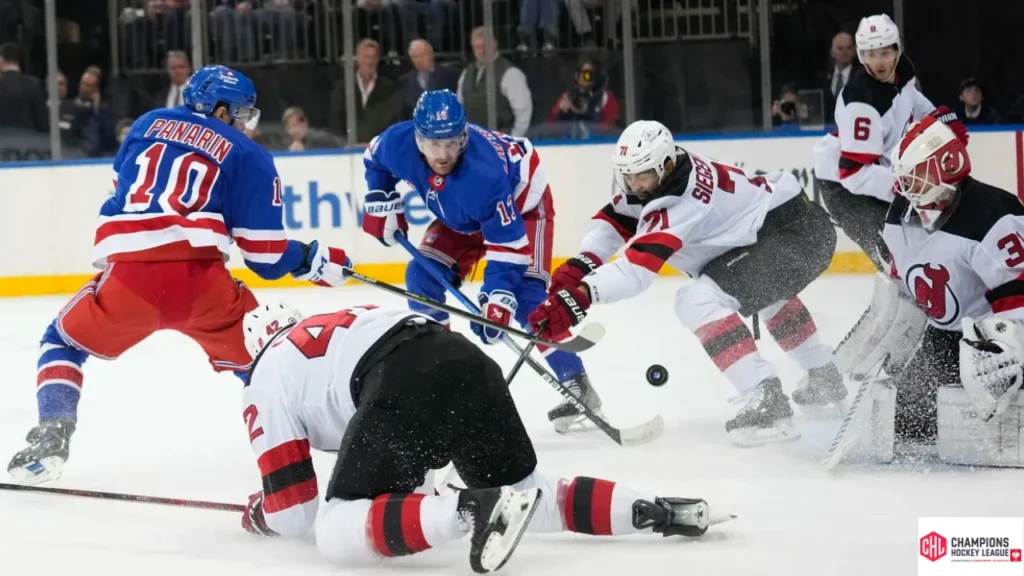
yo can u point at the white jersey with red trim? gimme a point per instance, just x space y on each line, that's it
186 186
702 210
299 398
871 117
972 266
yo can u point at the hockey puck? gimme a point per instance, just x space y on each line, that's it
657 375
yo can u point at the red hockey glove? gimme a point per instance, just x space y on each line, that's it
384 216
252 518
572 272
949 118
560 312
324 266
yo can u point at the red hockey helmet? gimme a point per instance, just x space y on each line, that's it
928 164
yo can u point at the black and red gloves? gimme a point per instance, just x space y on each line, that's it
571 273
949 118
560 312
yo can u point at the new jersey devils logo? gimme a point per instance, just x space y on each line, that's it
929 283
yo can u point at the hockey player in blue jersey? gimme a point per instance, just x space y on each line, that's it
188 184
490 195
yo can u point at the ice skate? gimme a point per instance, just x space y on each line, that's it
676 516
566 417
822 393
498 518
766 417
48 450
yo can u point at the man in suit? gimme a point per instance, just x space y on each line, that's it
22 97
425 75
179 69
378 101
832 83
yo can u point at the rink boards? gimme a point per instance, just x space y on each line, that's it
49 215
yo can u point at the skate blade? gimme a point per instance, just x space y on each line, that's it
575 424
518 512
782 431
825 412
716 519
41 472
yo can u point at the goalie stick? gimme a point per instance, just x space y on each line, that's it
632 436
588 337
127 497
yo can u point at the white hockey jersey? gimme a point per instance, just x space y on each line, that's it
299 398
972 266
870 119
703 209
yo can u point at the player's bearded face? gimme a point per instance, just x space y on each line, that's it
881 63
642 183
441 155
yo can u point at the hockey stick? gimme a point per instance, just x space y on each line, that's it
127 497
519 363
632 436
586 339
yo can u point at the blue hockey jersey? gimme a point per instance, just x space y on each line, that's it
497 180
186 186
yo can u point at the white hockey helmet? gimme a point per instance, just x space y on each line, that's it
876 32
265 322
644 145
928 163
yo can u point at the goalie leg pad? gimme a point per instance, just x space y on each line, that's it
889 330
964 438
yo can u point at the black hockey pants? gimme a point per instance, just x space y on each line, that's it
860 217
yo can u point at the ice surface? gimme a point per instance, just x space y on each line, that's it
160 422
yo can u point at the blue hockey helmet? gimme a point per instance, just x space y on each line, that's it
216 84
439 115
440 122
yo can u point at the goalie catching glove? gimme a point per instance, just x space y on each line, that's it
991 358
572 272
560 312
323 266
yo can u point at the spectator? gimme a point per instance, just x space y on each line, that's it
425 75
832 83
784 110
970 109
98 136
435 11
514 101
534 14
234 31
278 17
69 114
378 101
588 100
179 69
301 136
122 128
22 97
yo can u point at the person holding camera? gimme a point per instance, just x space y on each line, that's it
784 111
587 104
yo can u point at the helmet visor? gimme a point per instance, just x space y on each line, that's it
447 149
247 116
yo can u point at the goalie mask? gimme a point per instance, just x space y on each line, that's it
929 163
265 322
641 155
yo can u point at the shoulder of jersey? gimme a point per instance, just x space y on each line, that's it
864 89
981 206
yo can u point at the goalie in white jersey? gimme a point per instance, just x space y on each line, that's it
750 243
397 396
957 249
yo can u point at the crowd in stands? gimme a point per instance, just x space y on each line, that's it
407 46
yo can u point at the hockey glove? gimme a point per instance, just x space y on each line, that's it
498 306
949 118
572 272
560 312
253 519
991 354
324 266
384 216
